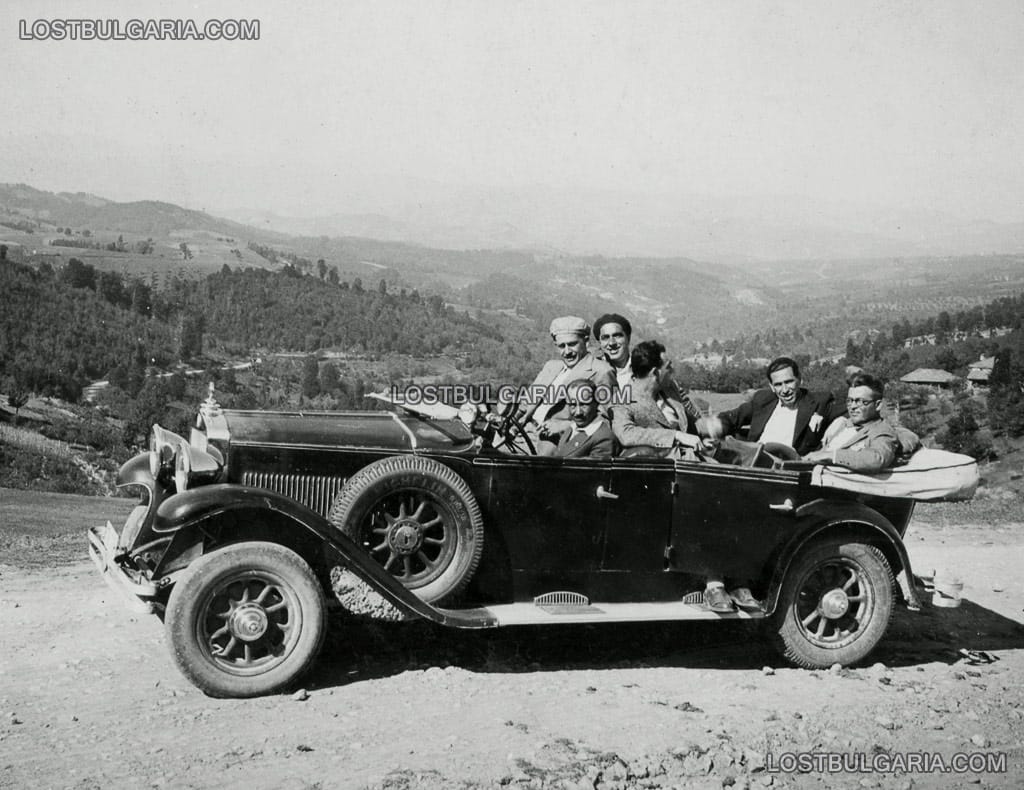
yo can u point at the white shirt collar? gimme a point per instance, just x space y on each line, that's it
590 428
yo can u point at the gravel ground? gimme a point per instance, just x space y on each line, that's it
89 698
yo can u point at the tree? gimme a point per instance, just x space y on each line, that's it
962 434
186 253
79 275
141 300
310 377
16 398
1006 395
111 288
3 252
947 360
329 378
321 268
190 346
853 354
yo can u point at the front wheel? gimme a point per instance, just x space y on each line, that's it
246 620
835 604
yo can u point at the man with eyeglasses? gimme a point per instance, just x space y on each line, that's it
861 441
547 409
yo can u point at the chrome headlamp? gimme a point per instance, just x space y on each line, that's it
164 446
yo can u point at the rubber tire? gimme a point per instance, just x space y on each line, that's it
388 476
191 594
786 628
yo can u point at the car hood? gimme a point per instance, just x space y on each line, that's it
354 429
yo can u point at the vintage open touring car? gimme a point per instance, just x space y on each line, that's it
238 529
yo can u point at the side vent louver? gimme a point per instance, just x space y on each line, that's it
315 492
561 599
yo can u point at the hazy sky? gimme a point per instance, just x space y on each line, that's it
910 104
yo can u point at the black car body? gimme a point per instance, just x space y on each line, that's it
239 528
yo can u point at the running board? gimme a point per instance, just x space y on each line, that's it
598 612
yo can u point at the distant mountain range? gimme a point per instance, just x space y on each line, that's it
838 271
593 222
83 210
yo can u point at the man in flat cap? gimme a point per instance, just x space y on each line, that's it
547 408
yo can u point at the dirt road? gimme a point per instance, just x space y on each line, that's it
89 698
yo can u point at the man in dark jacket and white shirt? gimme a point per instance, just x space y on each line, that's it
784 414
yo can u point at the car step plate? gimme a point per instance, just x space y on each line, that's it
533 614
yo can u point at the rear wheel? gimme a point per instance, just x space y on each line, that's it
418 519
835 604
246 620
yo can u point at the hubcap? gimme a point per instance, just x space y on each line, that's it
248 622
834 603
405 537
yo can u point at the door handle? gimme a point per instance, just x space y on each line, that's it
785 507
602 494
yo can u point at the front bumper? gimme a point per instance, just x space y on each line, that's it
135 590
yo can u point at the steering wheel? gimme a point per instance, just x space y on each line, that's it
512 431
779 453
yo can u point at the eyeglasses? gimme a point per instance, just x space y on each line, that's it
860 401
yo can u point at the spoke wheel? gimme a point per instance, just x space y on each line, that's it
246 620
413 534
835 604
418 520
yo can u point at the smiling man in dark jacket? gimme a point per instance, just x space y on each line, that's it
785 414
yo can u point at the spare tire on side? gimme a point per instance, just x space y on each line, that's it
418 519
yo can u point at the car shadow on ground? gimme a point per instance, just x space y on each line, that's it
358 649
947 634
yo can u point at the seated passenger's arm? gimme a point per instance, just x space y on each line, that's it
734 419
630 434
876 454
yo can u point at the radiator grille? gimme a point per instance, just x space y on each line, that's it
315 492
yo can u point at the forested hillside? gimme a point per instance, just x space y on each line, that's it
61 330
55 337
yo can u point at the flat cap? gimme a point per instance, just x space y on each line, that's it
570 325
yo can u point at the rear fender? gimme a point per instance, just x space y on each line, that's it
204 519
849 520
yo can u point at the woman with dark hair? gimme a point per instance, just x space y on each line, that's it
654 417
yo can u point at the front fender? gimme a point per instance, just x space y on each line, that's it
204 519
822 516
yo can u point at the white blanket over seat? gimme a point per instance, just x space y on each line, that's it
929 476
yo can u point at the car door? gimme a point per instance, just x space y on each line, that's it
728 519
638 509
550 510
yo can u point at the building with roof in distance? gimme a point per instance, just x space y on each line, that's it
979 373
930 377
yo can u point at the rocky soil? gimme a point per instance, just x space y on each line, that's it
89 698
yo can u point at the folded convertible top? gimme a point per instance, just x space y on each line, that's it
929 476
